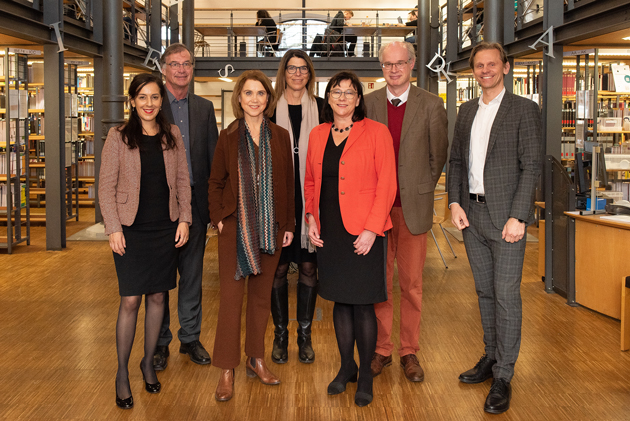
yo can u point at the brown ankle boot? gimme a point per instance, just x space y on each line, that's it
257 367
225 388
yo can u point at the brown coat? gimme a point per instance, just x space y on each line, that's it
119 182
422 154
223 183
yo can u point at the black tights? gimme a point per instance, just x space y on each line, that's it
126 331
307 274
355 323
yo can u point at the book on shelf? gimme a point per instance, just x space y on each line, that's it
17 132
13 162
18 103
36 99
14 197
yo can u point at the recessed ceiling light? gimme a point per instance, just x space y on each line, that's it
626 38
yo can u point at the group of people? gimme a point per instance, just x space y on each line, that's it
342 186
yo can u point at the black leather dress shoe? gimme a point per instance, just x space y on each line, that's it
160 358
196 352
481 372
498 400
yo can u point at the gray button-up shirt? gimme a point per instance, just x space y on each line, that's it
180 116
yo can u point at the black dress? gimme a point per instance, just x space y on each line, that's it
294 252
149 264
345 277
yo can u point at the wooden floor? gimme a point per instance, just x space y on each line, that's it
58 357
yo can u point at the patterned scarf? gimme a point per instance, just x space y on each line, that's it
256 214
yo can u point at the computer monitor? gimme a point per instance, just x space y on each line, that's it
583 171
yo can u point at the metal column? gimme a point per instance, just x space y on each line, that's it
113 98
188 23
435 42
99 132
423 39
155 25
493 21
451 56
552 84
55 133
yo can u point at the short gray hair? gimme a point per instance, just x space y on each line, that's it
411 52
174 49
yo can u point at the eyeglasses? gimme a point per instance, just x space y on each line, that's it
293 69
176 66
336 94
398 65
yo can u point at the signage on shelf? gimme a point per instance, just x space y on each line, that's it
23 51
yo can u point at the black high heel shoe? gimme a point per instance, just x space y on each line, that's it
150 387
124 403
337 387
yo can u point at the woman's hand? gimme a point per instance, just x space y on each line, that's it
117 242
181 236
363 243
313 232
288 237
220 226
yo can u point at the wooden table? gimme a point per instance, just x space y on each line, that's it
232 33
601 263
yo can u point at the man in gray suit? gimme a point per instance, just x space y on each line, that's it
195 118
417 122
493 171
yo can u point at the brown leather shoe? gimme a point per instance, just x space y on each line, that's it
257 367
379 362
225 388
413 371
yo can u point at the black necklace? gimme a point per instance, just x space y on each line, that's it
342 130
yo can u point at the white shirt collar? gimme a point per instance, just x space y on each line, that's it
496 101
403 98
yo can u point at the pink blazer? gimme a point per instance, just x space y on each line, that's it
367 176
119 182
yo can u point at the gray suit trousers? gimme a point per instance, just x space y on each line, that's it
497 267
190 267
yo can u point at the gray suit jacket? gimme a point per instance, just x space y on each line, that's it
203 140
512 162
422 154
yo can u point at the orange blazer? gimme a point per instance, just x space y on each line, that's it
367 176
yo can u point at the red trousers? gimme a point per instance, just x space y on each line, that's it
227 342
410 252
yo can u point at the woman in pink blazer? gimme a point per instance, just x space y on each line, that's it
349 189
144 192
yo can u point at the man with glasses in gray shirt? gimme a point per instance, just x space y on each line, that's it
195 118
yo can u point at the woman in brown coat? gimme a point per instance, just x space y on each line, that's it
144 192
251 201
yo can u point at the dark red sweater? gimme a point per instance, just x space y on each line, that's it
394 123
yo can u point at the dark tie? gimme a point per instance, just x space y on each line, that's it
395 102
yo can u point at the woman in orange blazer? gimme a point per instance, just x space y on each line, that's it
144 192
349 190
250 198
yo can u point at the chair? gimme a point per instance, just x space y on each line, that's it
267 47
438 220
